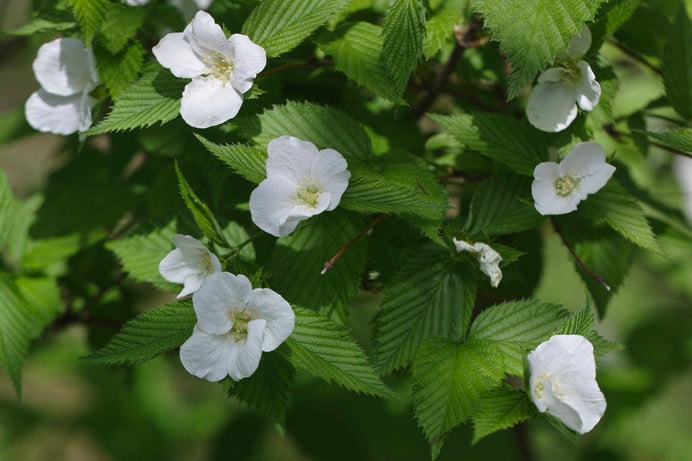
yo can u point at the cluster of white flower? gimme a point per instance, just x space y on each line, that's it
488 258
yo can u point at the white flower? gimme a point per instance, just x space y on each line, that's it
235 324
190 263
190 7
488 258
66 71
552 104
221 69
558 188
301 182
563 382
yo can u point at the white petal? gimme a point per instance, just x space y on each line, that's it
207 102
594 182
206 356
175 268
197 254
270 306
547 202
462 245
205 36
551 106
249 60
271 205
290 157
55 114
64 67
175 53
554 75
219 296
546 172
329 168
580 43
243 359
588 91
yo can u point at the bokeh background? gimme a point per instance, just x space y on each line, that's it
76 412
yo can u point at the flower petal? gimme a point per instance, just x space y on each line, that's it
64 67
551 106
271 206
579 44
219 296
553 75
587 91
206 102
243 359
290 157
249 60
205 356
205 36
51 113
174 52
329 168
196 253
270 306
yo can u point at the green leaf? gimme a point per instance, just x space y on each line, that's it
323 126
247 161
439 28
511 142
614 206
120 26
325 350
432 295
7 209
582 323
297 261
610 17
91 14
677 138
677 63
357 52
500 409
119 71
200 211
280 25
497 207
403 33
155 97
532 32
448 381
149 334
42 25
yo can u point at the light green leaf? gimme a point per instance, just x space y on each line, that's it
155 97
431 296
325 350
91 14
509 141
247 161
280 25
357 52
149 334
500 409
297 261
7 209
120 26
42 25
119 71
677 138
403 33
440 29
611 15
677 63
532 32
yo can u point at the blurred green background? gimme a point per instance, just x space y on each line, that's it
72 411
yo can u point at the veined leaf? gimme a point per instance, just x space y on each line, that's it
149 334
532 32
439 28
247 161
500 409
611 15
431 296
326 350
90 14
280 25
403 33
120 25
7 208
357 52
119 71
155 97
677 138
507 140
297 261
677 63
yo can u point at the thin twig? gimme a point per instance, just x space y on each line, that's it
576 257
329 264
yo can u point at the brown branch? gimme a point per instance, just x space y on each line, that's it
329 264
597 278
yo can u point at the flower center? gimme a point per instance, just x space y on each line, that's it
565 185
308 194
218 66
240 319
550 379
204 264
572 74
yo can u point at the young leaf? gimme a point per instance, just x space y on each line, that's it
120 25
439 28
500 409
155 97
149 334
357 52
326 350
532 32
280 25
403 33
677 63
431 296
119 71
247 161
90 14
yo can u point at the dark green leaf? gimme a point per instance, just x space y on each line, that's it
247 161
677 63
403 33
500 409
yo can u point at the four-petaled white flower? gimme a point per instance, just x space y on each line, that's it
563 382
190 263
66 71
221 69
552 104
558 188
235 324
301 182
488 258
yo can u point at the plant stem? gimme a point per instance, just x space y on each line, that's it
329 264
597 278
